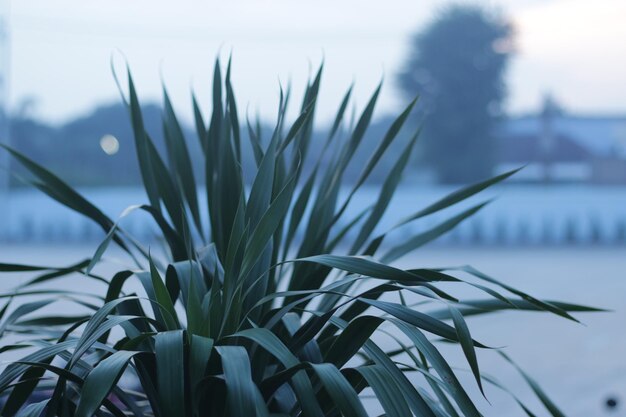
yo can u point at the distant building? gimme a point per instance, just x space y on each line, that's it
560 147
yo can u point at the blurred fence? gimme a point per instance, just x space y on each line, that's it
518 216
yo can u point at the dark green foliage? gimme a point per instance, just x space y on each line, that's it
457 65
266 306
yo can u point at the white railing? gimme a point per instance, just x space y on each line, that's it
519 215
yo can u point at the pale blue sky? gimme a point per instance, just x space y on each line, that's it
61 50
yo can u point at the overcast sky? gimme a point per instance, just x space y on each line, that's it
61 50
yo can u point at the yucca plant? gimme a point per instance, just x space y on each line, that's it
267 302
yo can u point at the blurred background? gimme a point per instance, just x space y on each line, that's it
538 84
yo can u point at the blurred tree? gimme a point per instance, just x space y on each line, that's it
457 66
80 137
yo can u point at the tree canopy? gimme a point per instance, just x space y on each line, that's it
456 64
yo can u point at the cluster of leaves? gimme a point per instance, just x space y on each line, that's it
270 305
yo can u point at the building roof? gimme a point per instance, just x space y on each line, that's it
600 135
526 148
